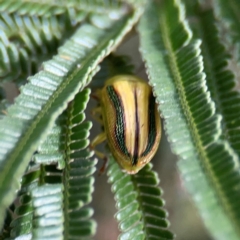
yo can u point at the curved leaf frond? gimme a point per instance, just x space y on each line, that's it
78 173
208 164
53 200
138 198
48 8
46 95
22 224
26 42
221 81
30 219
51 150
48 217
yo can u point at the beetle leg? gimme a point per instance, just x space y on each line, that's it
103 167
96 141
96 113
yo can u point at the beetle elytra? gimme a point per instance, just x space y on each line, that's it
131 122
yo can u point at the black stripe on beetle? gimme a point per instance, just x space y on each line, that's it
151 126
119 112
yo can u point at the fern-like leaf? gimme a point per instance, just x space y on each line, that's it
21 226
221 77
77 175
47 95
53 199
138 198
208 165
48 217
28 41
48 8
221 80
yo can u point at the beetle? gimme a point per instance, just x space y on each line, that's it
131 122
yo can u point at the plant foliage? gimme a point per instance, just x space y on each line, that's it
144 218
27 41
77 60
60 172
191 52
208 163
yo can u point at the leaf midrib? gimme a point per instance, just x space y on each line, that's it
202 154
84 63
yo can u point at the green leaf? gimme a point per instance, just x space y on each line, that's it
78 174
47 94
221 80
51 150
48 217
51 203
208 164
28 41
140 207
48 8
222 73
22 224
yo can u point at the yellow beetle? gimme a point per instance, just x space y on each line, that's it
131 122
